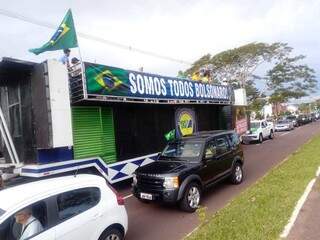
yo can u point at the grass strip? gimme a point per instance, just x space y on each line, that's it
263 210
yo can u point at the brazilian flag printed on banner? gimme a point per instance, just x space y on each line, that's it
105 80
65 37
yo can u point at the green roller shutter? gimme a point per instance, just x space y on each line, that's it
93 133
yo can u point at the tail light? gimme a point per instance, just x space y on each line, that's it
120 199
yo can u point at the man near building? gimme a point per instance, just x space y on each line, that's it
65 58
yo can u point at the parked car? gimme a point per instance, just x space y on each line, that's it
292 119
259 130
189 165
303 119
284 125
63 208
313 117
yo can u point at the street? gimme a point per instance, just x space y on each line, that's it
155 221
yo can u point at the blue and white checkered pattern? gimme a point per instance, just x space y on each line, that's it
114 172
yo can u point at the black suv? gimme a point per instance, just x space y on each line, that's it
189 165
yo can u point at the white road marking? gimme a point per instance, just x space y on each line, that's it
128 196
189 234
298 207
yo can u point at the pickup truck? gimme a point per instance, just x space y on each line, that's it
259 131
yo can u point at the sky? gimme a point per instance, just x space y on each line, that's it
180 29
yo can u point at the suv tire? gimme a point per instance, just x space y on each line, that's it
237 174
271 135
111 234
260 138
191 198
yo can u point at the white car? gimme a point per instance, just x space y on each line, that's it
259 130
284 125
80 207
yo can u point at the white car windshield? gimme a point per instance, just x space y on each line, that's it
254 125
283 122
182 150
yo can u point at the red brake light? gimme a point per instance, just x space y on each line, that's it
120 199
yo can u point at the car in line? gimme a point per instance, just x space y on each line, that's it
189 165
284 125
293 119
303 119
70 207
259 130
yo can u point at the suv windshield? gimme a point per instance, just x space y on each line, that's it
254 125
182 150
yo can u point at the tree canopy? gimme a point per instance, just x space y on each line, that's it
287 79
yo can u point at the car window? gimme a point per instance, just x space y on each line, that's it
254 125
77 201
183 150
34 217
234 139
222 145
210 150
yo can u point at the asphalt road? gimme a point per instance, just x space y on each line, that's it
158 222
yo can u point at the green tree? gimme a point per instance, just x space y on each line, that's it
236 66
256 99
289 79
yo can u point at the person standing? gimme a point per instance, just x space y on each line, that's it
65 58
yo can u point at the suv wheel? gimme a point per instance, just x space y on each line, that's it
191 198
111 234
271 134
260 138
237 174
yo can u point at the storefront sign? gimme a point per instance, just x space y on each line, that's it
110 81
185 121
241 126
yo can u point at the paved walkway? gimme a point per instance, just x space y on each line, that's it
307 225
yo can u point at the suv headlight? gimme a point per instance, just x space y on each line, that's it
171 182
134 179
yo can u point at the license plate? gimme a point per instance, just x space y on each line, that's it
146 196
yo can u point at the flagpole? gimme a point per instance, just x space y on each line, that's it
83 76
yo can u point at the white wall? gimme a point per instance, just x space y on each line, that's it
60 104
267 110
240 97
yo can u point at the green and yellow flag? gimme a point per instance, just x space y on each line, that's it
65 37
170 135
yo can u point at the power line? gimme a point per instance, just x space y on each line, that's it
91 37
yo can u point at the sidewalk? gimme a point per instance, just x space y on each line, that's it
307 225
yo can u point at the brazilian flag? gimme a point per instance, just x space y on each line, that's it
65 37
170 135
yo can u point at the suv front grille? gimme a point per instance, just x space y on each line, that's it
149 183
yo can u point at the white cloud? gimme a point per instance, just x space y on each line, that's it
180 29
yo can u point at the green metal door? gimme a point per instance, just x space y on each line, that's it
93 133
